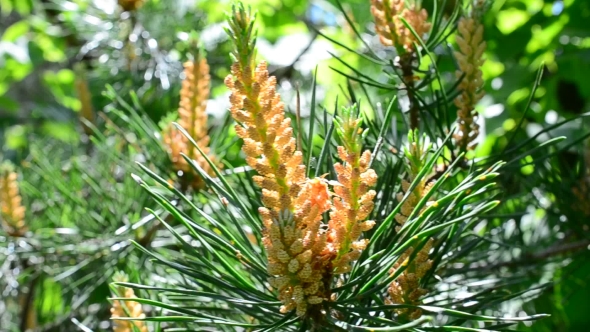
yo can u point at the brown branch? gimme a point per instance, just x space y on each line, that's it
531 258
28 315
408 78
287 72
560 249
146 240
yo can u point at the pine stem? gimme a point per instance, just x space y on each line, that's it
28 317
408 78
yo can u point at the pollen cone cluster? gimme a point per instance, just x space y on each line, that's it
405 289
297 249
410 204
12 212
292 204
354 201
193 118
268 137
391 29
299 255
130 309
470 59
393 32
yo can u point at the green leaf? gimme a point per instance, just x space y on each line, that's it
15 31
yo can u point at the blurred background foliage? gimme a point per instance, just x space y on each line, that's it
57 56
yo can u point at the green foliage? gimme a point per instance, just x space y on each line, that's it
508 221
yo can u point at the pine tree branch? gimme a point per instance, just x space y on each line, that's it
532 258
408 78
27 320
146 240
287 72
